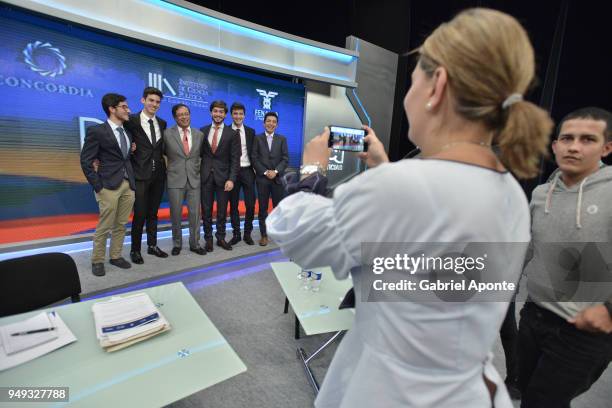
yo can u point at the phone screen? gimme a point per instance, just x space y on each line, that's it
347 139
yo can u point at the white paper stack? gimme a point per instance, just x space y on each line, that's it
123 321
31 338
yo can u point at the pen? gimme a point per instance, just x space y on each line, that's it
46 329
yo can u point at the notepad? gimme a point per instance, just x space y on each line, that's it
16 350
123 321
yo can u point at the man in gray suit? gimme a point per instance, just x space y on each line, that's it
182 145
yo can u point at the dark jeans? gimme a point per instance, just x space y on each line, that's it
509 338
148 197
557 362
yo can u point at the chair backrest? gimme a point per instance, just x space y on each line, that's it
36 281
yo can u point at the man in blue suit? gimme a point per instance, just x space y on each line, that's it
109 145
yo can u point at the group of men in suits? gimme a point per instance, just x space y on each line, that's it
129 159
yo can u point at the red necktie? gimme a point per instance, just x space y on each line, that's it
185 142
214 141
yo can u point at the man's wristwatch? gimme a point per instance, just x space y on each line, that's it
311 168
608 305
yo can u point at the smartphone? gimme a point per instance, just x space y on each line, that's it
347 139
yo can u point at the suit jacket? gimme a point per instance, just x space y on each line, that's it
182 168
276 158
224 164
145 151
101 143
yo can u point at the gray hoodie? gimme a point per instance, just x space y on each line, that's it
571 243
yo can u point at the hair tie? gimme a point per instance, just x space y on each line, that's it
511 100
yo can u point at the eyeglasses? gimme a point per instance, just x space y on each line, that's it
124 107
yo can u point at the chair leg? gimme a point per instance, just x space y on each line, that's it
75 298
286 305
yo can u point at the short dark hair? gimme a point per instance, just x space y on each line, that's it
594 113
218 104
111 100
271 114
149 90
237 106
179 106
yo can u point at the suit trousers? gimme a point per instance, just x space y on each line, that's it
148 197
246 182
265 189
115 208
209 190
557 361
176 196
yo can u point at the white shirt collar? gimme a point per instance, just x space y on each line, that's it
113 125
269 134
144 117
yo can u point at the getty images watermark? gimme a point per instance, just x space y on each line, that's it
483 272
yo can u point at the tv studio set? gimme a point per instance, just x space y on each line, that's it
342 204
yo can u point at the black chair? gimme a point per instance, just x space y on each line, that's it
36 281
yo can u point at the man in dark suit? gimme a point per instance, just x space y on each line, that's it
245 179
220 166
149 171
270 159
108 144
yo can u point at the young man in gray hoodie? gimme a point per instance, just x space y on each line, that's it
565 332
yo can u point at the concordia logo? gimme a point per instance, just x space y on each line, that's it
158 81
35 51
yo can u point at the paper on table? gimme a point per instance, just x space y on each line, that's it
123 319
16 343
64 336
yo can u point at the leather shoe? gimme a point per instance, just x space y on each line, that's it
198 250
98 269
136 257
224 245
263 241
176 251
209 245
235 239
248 240
120 263
154 250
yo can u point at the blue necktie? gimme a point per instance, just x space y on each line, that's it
124 147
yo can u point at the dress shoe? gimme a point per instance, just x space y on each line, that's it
235 239
136 257
176 251
120 263
248 240
154 250
98 269
224 245
209 245
263 241
198 250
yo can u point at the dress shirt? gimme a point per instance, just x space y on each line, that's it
244 156
212 132
144 122
118 135
182 135
269 137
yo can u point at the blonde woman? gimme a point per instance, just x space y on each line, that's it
466 94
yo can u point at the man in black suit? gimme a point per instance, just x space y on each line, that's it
149 171
220 166
108 144
270 159
245 179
